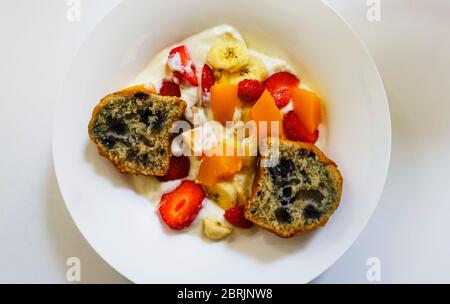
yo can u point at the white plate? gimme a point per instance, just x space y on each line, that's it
123 227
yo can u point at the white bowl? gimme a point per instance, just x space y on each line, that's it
123 227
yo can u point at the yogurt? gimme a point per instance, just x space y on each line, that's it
157 70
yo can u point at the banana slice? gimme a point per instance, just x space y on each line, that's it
228 53
221 76
223 194
214 230
242 182
255 69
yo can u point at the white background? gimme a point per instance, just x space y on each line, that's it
409 231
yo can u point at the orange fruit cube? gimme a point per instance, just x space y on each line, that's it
214 169
224 98
266 110
307 106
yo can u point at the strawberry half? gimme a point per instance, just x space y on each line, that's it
208 80
169 88
235 216
280 85
295 131
250 90
178 168
182 67
179 208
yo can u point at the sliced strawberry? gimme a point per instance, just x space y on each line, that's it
295 131
169 88
179 208
178 168
208 80
280 85
235 216
250 90
182 67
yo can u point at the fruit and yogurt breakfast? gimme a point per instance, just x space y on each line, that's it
213 158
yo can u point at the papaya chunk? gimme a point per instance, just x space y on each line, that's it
266 110
307 106
224 98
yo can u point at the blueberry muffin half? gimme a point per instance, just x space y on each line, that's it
132 128
298 194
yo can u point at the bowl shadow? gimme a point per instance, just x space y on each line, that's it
266 246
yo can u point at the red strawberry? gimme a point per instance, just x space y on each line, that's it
208 80
182 67
280 85
250 90
169 88
179 208
178 168
294 129
235 216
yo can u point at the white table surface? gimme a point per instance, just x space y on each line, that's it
409 231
